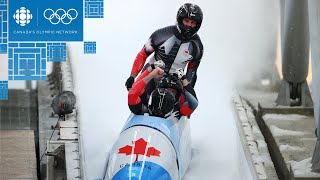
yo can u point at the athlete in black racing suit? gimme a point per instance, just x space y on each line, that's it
177 46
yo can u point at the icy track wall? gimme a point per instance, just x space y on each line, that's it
62 80
239 38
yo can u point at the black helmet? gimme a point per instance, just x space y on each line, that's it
161 103
190 11
172 81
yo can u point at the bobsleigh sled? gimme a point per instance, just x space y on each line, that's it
150 148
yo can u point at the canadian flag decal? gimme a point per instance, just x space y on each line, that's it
140 147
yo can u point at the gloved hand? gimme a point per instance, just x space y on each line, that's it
129 83
180 73
157 73
159 64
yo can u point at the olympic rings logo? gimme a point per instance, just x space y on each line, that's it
60 15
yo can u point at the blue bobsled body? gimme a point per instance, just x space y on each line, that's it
151 148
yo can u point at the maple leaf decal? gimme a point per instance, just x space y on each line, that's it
140 147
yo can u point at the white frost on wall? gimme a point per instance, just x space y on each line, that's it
302 168
276 131
284 117
286 147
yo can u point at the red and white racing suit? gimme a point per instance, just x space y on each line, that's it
169 46
188 101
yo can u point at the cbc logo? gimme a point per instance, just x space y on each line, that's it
22 16
60 15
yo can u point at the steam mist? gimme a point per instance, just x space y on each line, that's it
239 40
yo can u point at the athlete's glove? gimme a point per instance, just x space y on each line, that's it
159 64
180 73
129 83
